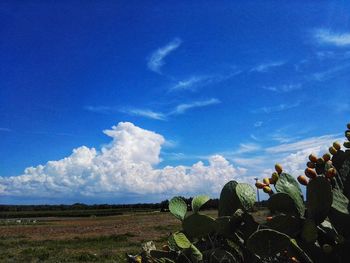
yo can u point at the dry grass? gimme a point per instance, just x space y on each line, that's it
100 239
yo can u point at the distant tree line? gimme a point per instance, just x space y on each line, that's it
162 206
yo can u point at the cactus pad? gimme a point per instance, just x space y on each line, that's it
319 199
267 243
309 231
282 202
197 225
178 207
340 201
181 240
286 224
285 182
228 203
198 202
247 195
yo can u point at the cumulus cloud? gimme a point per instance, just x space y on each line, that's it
156 60
127 165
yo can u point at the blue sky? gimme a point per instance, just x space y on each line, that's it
227 89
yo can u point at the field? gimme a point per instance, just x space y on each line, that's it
92 239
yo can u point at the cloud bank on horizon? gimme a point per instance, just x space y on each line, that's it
128 165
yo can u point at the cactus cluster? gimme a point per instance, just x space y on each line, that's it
316 229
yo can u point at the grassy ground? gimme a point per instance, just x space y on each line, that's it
100 239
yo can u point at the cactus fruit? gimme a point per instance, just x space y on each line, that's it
346 145
310 173
278 168
327 248
347 134
326 157
266 181
332 150
267 190
337 145
260 185
302 180
275 177
320 160
331 172
310 165
313 158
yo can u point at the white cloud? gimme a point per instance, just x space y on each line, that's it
283 88
182 108
190 83
156 60
265 67
146 113
312 144
330 73
278 108
325 36
127 165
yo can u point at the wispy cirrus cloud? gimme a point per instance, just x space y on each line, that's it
197 81
265 67
151 114
312 144
182 108
156 60
146 113
278 108
329 73
283 88
191 83
326 36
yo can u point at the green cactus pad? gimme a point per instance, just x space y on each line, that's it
285 182
181 240
228 204
282 202
267 243
341 222
196 255
246 194
178 207
319 199
198 202
197 225
340 201
309 231
285 224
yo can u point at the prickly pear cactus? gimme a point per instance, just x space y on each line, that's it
292 232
